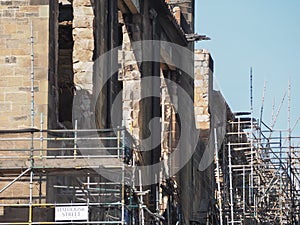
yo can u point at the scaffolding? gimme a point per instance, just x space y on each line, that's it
68 170
257 171
71 171
44 172
72 176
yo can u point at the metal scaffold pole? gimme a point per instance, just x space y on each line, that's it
281 184
230 184
141 205
218 177
290 155
251 138
244 192
32 126
123 178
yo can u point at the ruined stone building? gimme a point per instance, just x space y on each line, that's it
97 65
108 115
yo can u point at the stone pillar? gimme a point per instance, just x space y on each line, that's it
130 75
203 90
83 44
83 36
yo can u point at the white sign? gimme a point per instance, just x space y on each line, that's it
66 213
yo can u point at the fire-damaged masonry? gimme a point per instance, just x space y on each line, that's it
72 72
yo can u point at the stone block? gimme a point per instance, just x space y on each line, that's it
83 33
8 2
24 61
135 122
29 9
129 56
130 64
15 81
206 71
8 13
16 97
127 123
83 79
127 115
6 70
207 57
21 71
5 51
82 3
198 83
25 32
40 25
40 73
20 2
43 85
135 114
206 64
5 106
82 55
202 118
83 22
20 14
39 2
23 21
136 93
19 51
83 67
12 43
41 98
126 103
8 88
136 105
82 11
127 94
31 14
10 28
199 57
199 110
42 108
198 90
85 44
22 108
5 124
126 38
203 126
44 11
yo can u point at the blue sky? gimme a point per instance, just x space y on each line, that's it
264 35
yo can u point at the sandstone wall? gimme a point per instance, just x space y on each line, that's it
16 18
203 89
15 61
